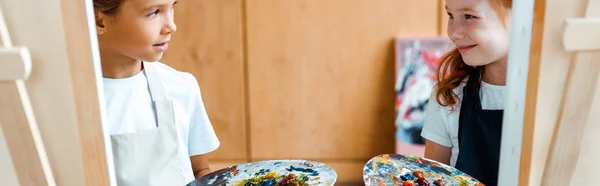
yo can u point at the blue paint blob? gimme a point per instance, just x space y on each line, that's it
277 163
311 172
270 182
407 177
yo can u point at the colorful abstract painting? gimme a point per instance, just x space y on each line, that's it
416 63
271 173
406 170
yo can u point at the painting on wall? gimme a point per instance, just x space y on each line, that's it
416 63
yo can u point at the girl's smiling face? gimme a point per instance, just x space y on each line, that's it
478 31
139 30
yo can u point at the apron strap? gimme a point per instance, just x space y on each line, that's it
479 134
162 105
157 92
472 89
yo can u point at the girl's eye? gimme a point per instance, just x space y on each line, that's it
467 16
153 13
449 15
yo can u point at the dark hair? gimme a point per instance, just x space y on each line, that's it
109 7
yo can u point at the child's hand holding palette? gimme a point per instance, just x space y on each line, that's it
396 169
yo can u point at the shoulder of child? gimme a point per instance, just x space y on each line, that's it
170 75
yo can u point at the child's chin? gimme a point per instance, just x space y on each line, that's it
474 61
155 57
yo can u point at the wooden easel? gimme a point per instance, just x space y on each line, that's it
63 90
581 36
16 115
562 109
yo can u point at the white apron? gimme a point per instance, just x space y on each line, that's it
149 157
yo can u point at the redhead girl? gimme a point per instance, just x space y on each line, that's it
463 121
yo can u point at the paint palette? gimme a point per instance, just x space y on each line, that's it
271 172
397 169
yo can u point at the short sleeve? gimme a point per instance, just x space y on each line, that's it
202 138
435 127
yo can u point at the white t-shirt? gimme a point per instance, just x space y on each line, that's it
441 124
129 109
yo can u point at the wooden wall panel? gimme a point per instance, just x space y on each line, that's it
208 44
321 74
443 19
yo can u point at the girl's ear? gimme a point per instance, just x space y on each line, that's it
100 26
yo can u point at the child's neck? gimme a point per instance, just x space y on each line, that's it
120 67
495 73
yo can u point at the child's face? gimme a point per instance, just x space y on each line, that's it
140 30
477 31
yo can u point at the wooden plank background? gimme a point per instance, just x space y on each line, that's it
321 74
310 79
209 44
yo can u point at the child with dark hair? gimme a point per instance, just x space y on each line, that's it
159 128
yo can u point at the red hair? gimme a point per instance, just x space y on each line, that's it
452 70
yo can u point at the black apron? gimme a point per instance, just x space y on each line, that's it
479 134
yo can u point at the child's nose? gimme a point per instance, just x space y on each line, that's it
172 26
456 31
169 28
